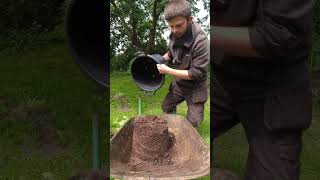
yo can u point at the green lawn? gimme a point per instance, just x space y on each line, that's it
124 103
231 150
46 105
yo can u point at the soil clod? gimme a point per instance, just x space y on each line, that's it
152 143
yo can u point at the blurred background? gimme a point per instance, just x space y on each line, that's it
231 148
46 102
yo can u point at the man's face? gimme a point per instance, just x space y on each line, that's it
178 25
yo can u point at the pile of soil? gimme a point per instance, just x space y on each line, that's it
151 143
158 147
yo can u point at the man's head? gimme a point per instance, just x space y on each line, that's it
178 15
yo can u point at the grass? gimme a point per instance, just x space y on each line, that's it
46 105
231 150
124 101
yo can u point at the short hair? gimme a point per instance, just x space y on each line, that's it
176 8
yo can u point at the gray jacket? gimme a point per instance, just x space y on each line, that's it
191 52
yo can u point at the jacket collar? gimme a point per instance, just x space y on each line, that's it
187 39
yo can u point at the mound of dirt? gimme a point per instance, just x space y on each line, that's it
152 147
152 143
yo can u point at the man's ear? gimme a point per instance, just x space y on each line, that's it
189 18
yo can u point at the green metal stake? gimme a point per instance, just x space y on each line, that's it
174 111
95 143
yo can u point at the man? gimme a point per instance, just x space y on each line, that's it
260 79
189 56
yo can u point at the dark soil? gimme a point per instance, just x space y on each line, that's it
90 175
43 139
122 102
152 143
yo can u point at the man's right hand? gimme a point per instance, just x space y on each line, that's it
182 74
164 69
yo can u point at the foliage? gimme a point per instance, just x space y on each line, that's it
121 62
316 24
314 62
27 24
38 15
316 17
18 40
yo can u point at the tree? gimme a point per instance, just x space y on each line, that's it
40 15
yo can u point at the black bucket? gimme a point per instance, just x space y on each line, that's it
86 29
145 73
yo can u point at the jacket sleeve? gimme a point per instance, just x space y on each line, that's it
282 29
169 54
200 59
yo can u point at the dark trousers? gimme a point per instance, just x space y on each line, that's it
177 95
273 155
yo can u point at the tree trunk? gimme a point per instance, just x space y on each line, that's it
155 18
130 33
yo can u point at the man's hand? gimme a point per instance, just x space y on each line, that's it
164 69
